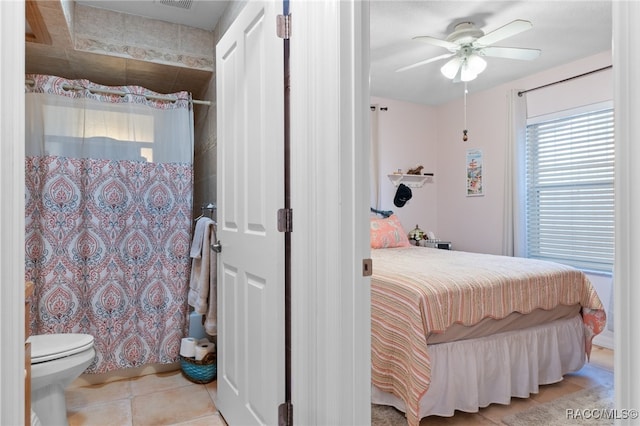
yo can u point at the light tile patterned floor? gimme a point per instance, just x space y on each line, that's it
156 399
171 399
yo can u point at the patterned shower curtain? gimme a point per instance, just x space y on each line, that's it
109 183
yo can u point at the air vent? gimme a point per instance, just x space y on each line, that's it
182 4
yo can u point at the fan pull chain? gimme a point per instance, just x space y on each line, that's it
464 132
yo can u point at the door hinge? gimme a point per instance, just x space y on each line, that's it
367 267
283 25
285 414
285 220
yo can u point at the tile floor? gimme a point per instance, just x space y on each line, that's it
153 400
171 399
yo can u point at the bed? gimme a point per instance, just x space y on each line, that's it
454 330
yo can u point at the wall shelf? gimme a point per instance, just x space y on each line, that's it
412 181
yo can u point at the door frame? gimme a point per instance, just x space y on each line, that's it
331 328
626 271
12 290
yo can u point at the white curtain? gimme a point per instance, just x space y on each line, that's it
82 125
513 243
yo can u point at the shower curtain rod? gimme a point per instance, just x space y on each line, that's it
119 93
566 79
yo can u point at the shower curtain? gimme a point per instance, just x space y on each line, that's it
109 181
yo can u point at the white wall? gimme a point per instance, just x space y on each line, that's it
411 134
475 223
407 138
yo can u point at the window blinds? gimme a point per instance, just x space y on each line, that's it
570 190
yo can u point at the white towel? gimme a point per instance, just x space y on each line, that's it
198 235
202 277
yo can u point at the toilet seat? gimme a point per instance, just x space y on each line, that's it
47 347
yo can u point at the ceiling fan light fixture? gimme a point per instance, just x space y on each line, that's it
450 69
476 64
467 74
469 45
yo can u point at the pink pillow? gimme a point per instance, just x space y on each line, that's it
387 233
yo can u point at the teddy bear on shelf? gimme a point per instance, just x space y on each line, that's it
415 171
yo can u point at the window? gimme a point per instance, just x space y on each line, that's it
570 192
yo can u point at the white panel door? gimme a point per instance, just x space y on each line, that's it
250 102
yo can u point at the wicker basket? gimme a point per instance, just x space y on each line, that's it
199 372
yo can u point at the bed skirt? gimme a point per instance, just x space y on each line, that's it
469 374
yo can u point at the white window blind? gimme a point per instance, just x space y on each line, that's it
570 192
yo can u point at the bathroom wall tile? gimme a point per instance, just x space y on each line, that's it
150 74
99 24
97 394
196 41
172 406
109 414
130 36
99 69
187 77
140 31
40 60
92 43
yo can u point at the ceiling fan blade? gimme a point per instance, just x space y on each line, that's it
426 61
438 42
511 52
508 30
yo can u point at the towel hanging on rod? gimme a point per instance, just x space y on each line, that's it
211 207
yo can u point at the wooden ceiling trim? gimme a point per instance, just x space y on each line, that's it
39 32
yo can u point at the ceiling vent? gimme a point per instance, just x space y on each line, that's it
182 4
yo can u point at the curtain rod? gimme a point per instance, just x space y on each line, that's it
119 93
562 81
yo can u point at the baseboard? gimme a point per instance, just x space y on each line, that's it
604 339
127 373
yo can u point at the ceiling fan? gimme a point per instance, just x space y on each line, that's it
467 45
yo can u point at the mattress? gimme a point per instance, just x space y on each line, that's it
418 293
513 321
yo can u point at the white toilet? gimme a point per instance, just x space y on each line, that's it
56 361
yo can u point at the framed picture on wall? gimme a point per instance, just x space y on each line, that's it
474 173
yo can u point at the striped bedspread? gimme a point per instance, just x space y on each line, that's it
416 291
